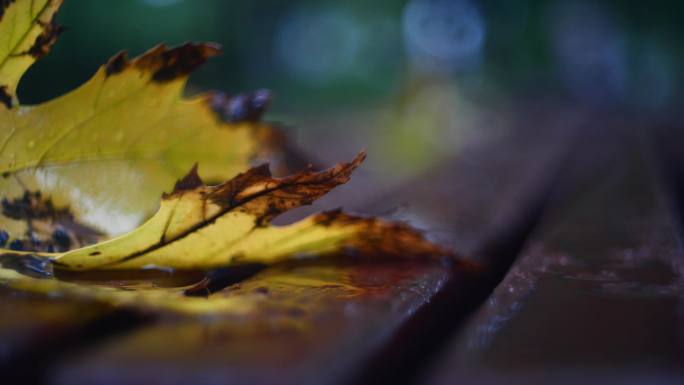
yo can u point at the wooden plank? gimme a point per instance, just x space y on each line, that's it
597 293
302 333
309 317
29 319
504 194
34 330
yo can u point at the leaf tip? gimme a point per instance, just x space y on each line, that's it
5 97
262 170
360 157
116 63
341 173
190 181
378 237
167 64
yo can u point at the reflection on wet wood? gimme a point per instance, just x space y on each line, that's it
34 328
308 318
521 174
318 323
28 320
599 287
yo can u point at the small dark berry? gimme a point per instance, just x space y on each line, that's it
260 100
61 238
236 108
16 245
4 236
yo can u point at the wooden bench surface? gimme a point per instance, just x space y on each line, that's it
595 287
596 295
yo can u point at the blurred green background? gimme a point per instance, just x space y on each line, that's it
409 80
333 54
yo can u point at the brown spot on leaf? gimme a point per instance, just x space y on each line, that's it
5 97
382 238
41 46
190 181
328 217
3 6
49 228
116 64
169 64
29 206
258 194
271 212
30 265
266 197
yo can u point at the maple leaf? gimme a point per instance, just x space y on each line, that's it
204 227
129 124
27 31
148 297
115 143
201 227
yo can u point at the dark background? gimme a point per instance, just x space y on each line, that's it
328 55
413 82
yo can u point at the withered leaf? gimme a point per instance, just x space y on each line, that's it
95 161
126 131
27 31
201 227
150 298
204 227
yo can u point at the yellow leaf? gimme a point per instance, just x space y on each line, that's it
27 31
282 289
97 158
170 299
201 227
204 227
108 149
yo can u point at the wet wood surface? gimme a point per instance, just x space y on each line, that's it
595 289
341 333
597 293
312 325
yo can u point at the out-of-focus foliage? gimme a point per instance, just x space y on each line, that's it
376 70
358 53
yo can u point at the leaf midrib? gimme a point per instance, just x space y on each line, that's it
199 226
